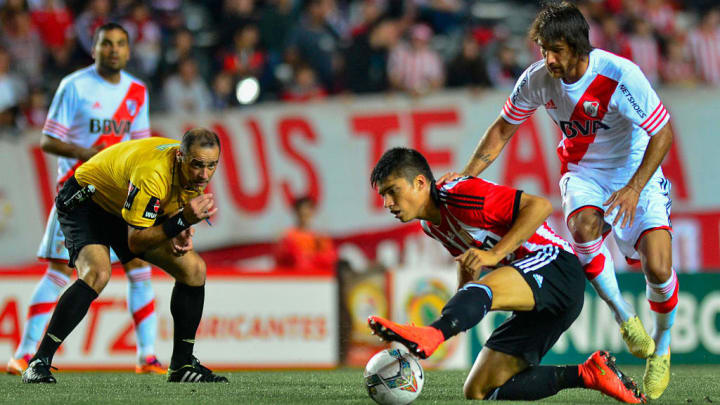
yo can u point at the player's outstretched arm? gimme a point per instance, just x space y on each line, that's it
487 150
199 208
57 147
533 211
626 199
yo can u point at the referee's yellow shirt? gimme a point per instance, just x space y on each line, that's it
137 180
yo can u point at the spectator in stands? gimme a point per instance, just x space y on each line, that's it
304 87
704 44
236 14
613 39
96 14
314 42
186 92
54 23
676 68
183 47
244 58
468 68
24 45
661 16
645 49
35 112
12 93
303 249
145 37
367 57
504 69
416 68
223 91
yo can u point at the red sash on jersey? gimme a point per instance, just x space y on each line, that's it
573 149
136 94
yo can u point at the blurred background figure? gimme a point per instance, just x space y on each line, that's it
186 92
416 68
645 49
96 13
13 92
676 68
314 41
704 44
468 68
504 69
145 38
303 249
304 86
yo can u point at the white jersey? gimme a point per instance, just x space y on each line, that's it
607 117
88 110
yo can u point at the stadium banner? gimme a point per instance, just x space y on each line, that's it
274 152
258 320
695 334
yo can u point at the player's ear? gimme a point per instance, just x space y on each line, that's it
178 156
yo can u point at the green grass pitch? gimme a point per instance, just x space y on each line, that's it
689 385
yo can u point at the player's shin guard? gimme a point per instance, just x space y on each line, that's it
464 310
141 303
600 270
42 303
186 307
537 382
70 310
663 300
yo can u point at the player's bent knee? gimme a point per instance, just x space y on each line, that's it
97 279
475 391
586 225
194 272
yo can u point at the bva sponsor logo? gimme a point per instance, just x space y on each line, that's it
574 128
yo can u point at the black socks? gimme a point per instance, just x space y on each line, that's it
186 307
538 382
464 310
70 310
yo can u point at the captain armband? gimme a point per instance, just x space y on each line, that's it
174 225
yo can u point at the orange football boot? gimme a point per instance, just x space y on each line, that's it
420 340
600 373
17 366
151 365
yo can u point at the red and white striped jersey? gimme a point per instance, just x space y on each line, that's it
88 110
705 50
477 213
605 117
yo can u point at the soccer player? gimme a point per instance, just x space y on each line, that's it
93 108
534 274
147 195
616 133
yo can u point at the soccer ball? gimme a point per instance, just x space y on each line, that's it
394 377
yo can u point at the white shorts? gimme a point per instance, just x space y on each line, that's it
52 246
584 187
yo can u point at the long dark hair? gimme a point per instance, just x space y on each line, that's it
558 21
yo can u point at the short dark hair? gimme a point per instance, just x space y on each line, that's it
299 202
562 20
109 27
402 162
205 138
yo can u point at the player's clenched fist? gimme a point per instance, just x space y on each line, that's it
199 208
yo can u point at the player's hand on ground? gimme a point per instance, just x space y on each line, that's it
182 243
448 176
626 201
474 259
199 208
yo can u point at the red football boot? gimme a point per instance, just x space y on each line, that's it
420 340
600 373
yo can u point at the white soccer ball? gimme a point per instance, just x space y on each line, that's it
394 377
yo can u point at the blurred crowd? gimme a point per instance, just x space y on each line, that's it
193 53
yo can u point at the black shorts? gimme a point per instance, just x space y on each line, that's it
557 281
89 224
